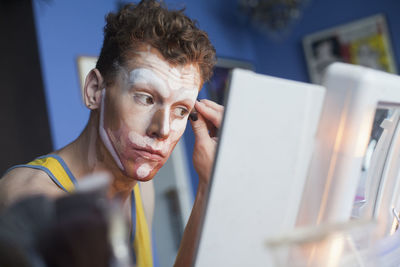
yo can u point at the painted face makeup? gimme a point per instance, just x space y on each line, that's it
175 77
148 77
144 116
104 136
144 170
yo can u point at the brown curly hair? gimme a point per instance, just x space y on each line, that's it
176 36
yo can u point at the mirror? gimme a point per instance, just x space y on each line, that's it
375 178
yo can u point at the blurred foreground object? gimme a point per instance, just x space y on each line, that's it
83 229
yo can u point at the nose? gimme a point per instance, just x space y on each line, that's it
159 126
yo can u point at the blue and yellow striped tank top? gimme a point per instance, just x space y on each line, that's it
59 172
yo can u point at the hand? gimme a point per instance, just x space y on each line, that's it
205 131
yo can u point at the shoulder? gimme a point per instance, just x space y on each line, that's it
22 182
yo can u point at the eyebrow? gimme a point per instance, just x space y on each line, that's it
146 76
186 101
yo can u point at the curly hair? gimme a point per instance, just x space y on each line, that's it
176 36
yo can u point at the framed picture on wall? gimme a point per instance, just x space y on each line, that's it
363 42
216 87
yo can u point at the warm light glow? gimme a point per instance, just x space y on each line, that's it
327 253
332 251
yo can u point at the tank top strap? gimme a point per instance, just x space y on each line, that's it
55 167
140 237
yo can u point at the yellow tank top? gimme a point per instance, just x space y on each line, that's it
59 172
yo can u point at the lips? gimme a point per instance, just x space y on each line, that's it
148 153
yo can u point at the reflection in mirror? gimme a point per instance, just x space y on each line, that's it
371 170
370 181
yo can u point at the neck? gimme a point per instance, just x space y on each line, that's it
87 155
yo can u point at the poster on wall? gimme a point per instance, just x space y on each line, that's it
363 42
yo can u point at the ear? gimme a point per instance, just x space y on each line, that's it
92 89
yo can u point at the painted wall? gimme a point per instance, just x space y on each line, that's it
67 29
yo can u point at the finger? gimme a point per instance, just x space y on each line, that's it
200 128
210 114
212 130
212 104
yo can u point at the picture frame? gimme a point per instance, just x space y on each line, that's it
363 42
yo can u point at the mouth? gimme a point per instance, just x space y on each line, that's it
148 153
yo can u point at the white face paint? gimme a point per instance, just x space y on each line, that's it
103 134
148 78
148 112
175 77
144 170
177 125
146 141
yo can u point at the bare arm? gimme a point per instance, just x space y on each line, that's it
210 117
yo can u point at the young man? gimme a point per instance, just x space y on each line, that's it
152 64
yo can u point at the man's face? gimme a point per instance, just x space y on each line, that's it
145 112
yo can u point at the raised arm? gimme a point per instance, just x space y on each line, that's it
205 130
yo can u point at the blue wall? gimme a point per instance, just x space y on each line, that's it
67 29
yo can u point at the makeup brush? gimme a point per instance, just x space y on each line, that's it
193 115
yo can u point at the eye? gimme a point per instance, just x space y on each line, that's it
180 112
144 99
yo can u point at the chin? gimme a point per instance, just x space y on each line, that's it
144 179
132 171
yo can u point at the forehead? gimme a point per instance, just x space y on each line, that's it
150 58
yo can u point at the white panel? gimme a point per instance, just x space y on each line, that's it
263 155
